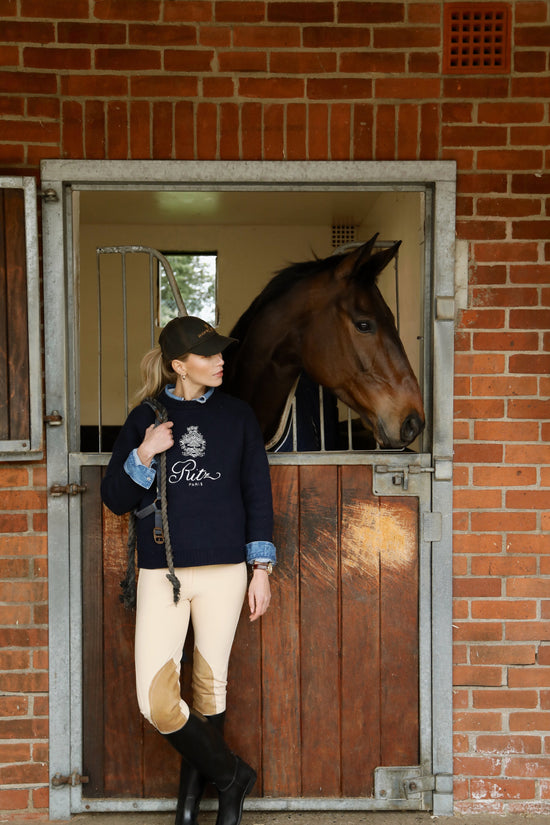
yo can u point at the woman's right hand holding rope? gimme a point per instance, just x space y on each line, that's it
156 440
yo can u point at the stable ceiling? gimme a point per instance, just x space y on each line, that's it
267 208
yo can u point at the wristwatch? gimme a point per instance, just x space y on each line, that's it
263 565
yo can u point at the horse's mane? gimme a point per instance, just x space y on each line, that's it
279 285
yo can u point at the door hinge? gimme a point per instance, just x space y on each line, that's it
75 778
440 783
408 782
67 489
392 782
54 419
48 195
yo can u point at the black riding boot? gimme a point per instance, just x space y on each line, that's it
203 747
192 784
190 793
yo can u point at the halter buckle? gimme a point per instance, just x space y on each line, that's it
158 535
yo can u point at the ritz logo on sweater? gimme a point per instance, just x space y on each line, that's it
192 443
193 446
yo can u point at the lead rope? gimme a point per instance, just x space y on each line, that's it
171 575
128 584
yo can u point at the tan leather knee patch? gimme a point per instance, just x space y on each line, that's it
164 700
203 685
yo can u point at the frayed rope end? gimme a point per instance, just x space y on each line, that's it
128 595
176 585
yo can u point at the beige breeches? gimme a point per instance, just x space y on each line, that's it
212 597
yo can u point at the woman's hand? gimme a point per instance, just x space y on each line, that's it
156 440
259 594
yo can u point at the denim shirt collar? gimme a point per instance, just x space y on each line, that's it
169 390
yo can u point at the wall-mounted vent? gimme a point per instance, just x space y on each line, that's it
476 38
343 233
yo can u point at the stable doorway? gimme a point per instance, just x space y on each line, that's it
373 518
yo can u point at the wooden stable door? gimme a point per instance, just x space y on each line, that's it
323 690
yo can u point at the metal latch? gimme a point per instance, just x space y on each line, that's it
400 475
74 779
67 489
54 419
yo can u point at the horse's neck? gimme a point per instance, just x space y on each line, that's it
268 362
267 390
263 375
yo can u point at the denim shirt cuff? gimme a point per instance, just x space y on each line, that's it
138 472
261 551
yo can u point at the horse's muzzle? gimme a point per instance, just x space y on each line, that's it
411 427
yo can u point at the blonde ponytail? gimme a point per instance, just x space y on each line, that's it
155 374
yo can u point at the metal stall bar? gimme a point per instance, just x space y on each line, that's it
153 255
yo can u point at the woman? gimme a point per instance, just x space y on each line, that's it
219 516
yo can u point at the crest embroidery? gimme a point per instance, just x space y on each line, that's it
192 443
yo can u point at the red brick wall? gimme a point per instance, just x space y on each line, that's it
23 639
321 80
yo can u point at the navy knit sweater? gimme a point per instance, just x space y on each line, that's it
218 483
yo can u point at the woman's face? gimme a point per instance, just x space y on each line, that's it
201 370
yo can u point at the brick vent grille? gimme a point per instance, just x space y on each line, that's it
476 38
342 233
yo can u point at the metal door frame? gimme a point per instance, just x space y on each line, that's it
437 179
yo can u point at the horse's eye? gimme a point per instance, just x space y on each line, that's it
365 326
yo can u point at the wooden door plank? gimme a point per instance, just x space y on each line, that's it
244 701
16 271
123 725
92 629
399 631
360 632
319 607
281 647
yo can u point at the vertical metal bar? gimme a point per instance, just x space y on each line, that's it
426 342
33 312
99 404
56 358
151 299
350 430
396 271
322 417
125 332
442 490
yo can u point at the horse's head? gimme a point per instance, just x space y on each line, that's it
351 345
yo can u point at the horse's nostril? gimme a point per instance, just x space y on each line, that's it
411 427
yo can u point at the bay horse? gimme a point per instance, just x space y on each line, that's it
327 318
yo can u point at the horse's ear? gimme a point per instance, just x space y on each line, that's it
354 259
376 263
